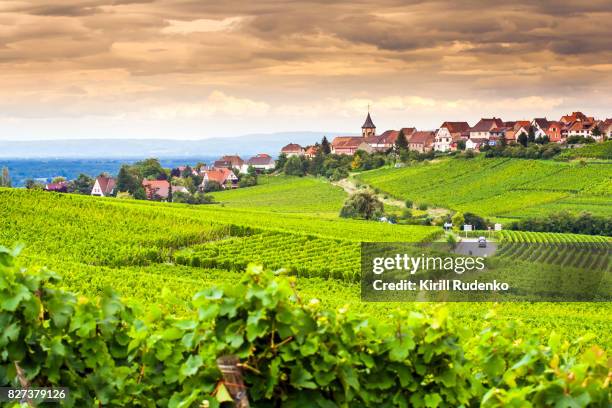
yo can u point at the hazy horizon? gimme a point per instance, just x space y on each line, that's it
170 69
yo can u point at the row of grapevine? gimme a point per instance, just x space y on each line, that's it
495 187
294 354
304 256
551 237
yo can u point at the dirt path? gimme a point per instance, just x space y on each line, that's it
348 185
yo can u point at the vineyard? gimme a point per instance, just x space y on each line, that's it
594 151
303 256
157 256
506 188
287 195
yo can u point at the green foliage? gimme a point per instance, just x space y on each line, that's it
565 221
83 184
300 255
197 198
325 146
294 166
247 180
475 221
500 187
295 353
362 205
278 193
594 151
401 143
212 186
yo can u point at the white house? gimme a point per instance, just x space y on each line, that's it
448 133
103 187
260 162
540 126
475 143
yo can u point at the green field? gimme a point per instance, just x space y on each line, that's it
594 151
286 195
99 242
502 188
158 255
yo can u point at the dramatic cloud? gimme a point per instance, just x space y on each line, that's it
210 68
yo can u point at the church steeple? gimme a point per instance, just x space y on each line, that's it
368 128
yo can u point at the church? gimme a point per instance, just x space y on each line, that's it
350 144
369 141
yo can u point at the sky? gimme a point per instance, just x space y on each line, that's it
192 69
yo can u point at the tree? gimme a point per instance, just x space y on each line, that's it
58 179
356 163
211 186
596 133
476 221
316 165
362 205
248 180
293 167
523 139
461 144
458 220
150 169
325 147
32 184
401 143
127 181
5 178
531 135
281 161
81 185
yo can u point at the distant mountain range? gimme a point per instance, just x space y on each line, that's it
140 148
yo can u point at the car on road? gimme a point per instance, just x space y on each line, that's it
482 242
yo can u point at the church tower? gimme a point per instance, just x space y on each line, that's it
368 128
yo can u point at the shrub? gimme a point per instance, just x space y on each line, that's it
362 205
294 353
423 206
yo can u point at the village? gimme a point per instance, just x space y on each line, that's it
453 136
231 171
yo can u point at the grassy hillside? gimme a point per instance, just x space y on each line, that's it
133 247
286 194
594 151
506 188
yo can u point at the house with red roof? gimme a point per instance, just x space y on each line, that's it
261 162
103 187
224 176
576 117
59 187
229 162
158 190
292 149
311 151
448 134
482 129
422 141
349 145
387 139
555 131
515 128
606 128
